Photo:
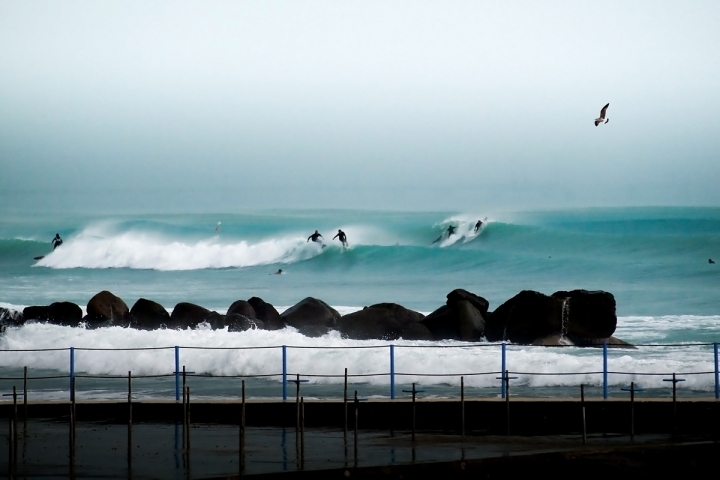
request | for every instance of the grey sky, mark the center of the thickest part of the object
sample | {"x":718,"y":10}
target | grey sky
{"x":490,"y":102}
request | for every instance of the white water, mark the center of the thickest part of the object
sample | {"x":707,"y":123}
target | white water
{"x":316,"y":358}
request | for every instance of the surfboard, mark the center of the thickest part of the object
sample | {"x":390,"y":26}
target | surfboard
{"x":39,"y":258}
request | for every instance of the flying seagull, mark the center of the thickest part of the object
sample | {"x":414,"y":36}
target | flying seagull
{"x":599,"y":120}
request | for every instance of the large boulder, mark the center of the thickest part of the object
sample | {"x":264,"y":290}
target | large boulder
{"x":527,"y":316}
{"x":383,"y":321}
{"x":106,"y":309}
{"x":478,"y":302}
{"x":588,"y":314}
{"x":240,"y":323}
{"x":59,"y":313}
{"x":309,"y":314}
{"x":186,"y":315}
{"x":557,"y":339}
{"x":148,"y":315}
{"x":264,"y":311}
{"x":461,"y":318}
{"x":242,"y":307}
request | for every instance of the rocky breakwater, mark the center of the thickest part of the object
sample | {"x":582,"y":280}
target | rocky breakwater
{"x":578,"y":317}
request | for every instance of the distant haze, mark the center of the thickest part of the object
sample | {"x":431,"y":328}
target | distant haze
{"x":367,"y":104}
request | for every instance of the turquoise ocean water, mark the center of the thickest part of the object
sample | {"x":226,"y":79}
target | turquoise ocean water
{"x":654,"y":260}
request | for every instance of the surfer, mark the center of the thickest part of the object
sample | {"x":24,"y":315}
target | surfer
{"x":710,"y":260}
{"x":279,"y":272}
{"x":450,"y":231}
{"x":478,"y":225}
{"x":315,"y":237}
{"x":57,"y":241}
{"x":342,"y":237}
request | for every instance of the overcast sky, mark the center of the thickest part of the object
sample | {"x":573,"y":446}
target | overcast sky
{"x":489,"y":102}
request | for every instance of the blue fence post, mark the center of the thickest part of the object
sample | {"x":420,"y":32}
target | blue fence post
{"x":177,"y":373}
{"x":72,"y":373}
{"x":605,"y":371}
{"x":284,"y":374}
{"x":717,"y":373}
{"x":392,"y":372}
{"x":503,"y":365}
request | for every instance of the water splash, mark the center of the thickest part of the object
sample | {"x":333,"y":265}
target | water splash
{"x":564,"y":322}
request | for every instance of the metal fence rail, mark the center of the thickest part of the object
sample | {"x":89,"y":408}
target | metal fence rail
{"x":179,"y":372}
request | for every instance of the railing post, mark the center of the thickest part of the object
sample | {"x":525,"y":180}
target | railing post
{"x":503,"y":367}
{"x":284,"y":372}
{"x":717,"y":373}
{"x":392,"y":372}
{"x":72,"y":374}
{"x":177,"y":373}
{"x":605,"y":371}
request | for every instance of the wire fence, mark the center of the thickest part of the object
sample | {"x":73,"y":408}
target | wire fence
{"x":180,"y":373}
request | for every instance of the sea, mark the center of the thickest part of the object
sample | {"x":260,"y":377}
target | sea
{"x":654,"y":260}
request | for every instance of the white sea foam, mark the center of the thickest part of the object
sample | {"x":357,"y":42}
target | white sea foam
{"x":142,"y":250}
{"x":331,"y":354}
{"x":465,"y":228}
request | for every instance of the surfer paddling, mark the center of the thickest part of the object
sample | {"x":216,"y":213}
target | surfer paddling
{"x":342,"y":237}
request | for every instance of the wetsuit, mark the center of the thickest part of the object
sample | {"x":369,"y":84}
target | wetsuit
{"x":342,"y":237}
{"x":314,"y":237}
{"x":57,"y":241}
{"x":478,"y":225}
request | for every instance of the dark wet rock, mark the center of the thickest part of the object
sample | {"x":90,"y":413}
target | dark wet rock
{"x":267,"y":313}
{"x":612,"y":342}
{"x":105,"y":309}
{"x":310,"y":312}
{"x":527,"y":316}
{"x":11,"y":318}
{"x":386,"y":321}
{"x":461,"y":318}
{"x":589,"y":314}
{"x":314,"y":330}
{"x":186,"y":315}
{"x":58,"y":313}
{"x":240,"y":323}
{"x":552,"y":340}
{"x":478,"y":302}
{"x":416,"y":331}
{"x":148,"y":315}
{"x":242,"y":307}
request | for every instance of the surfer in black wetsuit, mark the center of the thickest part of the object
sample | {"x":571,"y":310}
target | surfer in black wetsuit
{"x":342,"y":237}
{"x":57,"y":241}
{"x":315,"y":237}
{"x":478,"y":225}
{"x":450,"y":231}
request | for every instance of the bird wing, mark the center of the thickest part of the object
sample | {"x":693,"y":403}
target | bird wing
{"x":604,"y":109}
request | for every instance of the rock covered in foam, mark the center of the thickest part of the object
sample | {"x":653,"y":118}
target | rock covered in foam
{"x":11,"y":318}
